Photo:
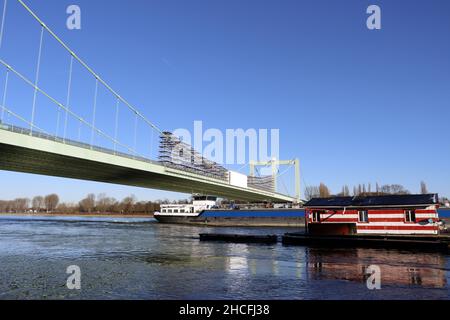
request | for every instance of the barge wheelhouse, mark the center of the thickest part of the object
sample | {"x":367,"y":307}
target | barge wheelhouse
{"x":388,"y":214}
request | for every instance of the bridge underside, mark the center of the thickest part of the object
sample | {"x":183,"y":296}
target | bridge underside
{"x":29,"y":154}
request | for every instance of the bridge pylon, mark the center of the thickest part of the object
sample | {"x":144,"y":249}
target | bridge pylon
{"x":275,"y":163}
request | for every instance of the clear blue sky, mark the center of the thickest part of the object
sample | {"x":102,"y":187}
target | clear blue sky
{"x":355,"y":105}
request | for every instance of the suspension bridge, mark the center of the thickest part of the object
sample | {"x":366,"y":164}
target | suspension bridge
{"x":74,"y":150}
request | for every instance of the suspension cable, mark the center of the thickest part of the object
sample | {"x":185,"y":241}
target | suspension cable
{"x":116,"y":124}
{"x":88,"y":68}
{"x":80,"y":119}
{"x":94,"y":112}
{"x":79,"y":130}
{"x":284,"y":172}
{"x":4,"y":96}
{"x":69,"y":86}
{"x":135,"y":132}
{"x":151,"y":143}
{"x":57,"y":121}
{"x":36,"y":80}
{"x":10,"y":112}
{"x":3,"y":22}
{"x":285,"y":188}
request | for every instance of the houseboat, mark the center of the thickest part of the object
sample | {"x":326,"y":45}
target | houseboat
{"x":205,"y":211}
{"x":412,"y":214}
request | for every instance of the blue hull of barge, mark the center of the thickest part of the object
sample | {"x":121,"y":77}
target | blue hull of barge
{"x":247,"y":218}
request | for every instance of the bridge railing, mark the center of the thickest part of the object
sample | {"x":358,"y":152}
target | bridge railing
{"x":38,"y":134}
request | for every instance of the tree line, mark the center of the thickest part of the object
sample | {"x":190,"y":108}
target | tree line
{"x":39,"y":204}
{"x":90,"y":204}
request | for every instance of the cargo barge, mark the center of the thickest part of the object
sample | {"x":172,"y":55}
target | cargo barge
{"x":204,"y":211}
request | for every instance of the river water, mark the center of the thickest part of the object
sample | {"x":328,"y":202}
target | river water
{"x":131,"y":258}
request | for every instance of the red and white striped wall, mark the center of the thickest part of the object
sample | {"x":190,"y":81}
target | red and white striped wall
{"x":382,"y":221}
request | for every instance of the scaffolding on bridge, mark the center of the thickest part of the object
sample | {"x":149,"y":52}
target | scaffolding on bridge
{"x":177,"y":154}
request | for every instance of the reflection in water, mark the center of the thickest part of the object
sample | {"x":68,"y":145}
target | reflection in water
{"x":275,"y":265}
{"x":350,"y":264}
{"x":141,"y":259}
{"x":397,"y":268}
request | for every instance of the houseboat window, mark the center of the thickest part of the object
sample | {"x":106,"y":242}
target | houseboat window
{"x":175,"y":210}
{"x":169,"y":210}
{"x":181,"y":210}
{"x":163,"y":210}
{"x":363,"y":216}
{"x":410,"y":216}
{"x":316,"y":216}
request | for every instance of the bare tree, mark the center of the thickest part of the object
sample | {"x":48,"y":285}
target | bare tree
{"x":345,"y":191}
{"x":128,"y":203}
{"x":324,"y":191}
{"x":21,"y":204}
{"x":7,"y":206}
{"x":393,"y":189}
{"x":51,"y":202}
{"x":104,"y":203}
{"x":312,"y":192}
{"x":38,"y":203}
{"x":386,"y":189}
{"x":363,"y":190}
{"x":88,"y":203}
{"x":423,"y":188}
{"x":398,"y":189}
{"x":4,"y":206}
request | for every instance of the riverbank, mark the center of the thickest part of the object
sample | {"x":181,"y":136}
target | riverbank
{"x":92,"y":215}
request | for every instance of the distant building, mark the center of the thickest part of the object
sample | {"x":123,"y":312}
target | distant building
{"x":392,"y":214}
